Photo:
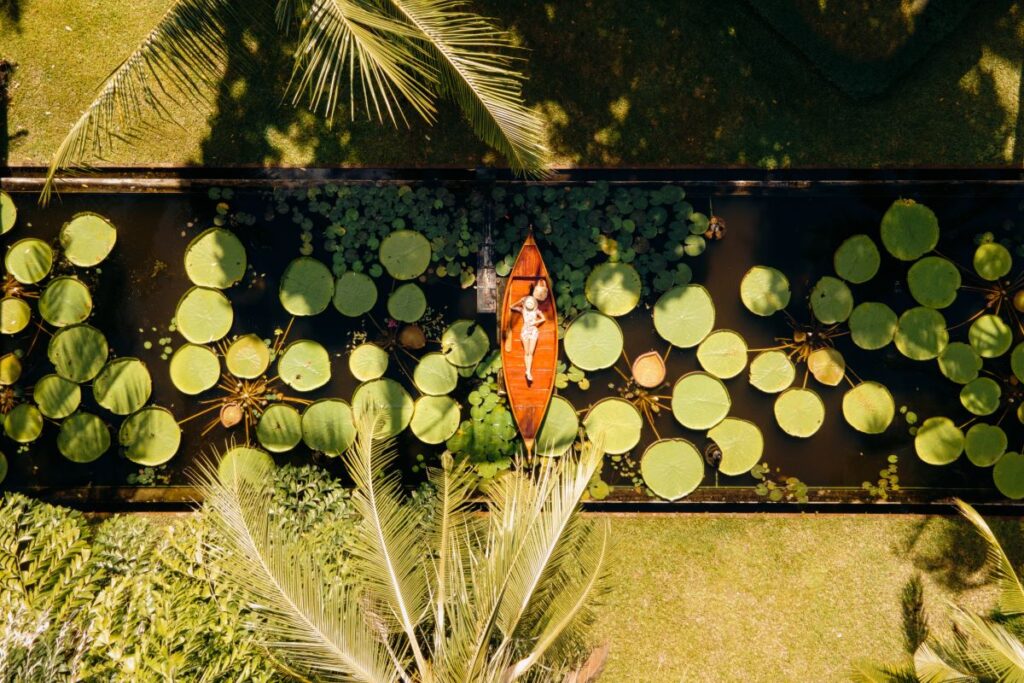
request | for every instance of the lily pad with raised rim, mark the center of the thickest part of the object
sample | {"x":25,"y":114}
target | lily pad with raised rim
{"x":684,"y":315}
{"x":247,"y":357}
{"x":593,"y":341}
{"x":939,"y":441}
{"x":194,"y":369}
{"x":23,"y":423}
{"x":280,"y":428}
{"x":857,"y":259}
{"x":78,"y":352}
{"x":204,"y":315}
{"x":764,"y":290}
{"x":15,"y":315}
{"x":29,"y":260}
{"x":327,"y":426}
{"x":388,"y":400}
{"x":83,"y":438}
{"x":150,"y":437}
{"x":831,"y":300}
{"x":909,"y":230}
{"x":672,"y":468}
{"x":613,"y":288}
{"x":723,"y":353}
{"x":700,"y":400}
{"x":123,"y":386}
{"x":434,"y":419}
{"x":921,"y":333}
{"x":799,"y":412}
{"x":355,"y":294}
{"x":959,"y":362}
{"x":990,"y":336}
{"x":65,"y":301}
{"x":992,"y":261}
{"x":215,"y":258}
{"x":405,"y":254}
{"x":407,"y":303}
{"x":1008,"y":475}
{"x":615,"y":424}
{"x":981,"y":396}
{"x":1017,"y":361}
{"x":8,"y":217}
{"x":869,"y":408}
{"x":87,"y":239}
{"x":368,"y":361}
{"x":985,"y":444}
{"x":245,"y":462}
{"x":827,"y":365}
{"x":56,"y":397}
{"x":934,"y":281}
{"x":307,"y":287}
{"x":741,"y":443}
{"x":465,"y":343}
{"x":560,"y":428}
{"x":435,"y":376}
{"x":772,"y":372}
{"x":304,"y":365}
{"x":648,"y":369}
{"x":872,"y":325}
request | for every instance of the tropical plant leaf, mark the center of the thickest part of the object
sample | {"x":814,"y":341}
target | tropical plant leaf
{"x":1011,"y":591}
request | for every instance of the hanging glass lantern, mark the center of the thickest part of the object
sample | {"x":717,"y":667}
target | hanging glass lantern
{"x":486,"y":277}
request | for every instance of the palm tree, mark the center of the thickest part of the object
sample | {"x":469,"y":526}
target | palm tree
{"x":390,"y":54}
{"x":452,"y":595}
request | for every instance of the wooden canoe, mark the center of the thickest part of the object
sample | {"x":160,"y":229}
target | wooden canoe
{"x":528,"y":400}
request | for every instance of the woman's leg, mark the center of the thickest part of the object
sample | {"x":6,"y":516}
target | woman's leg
{"x":529,"y":345}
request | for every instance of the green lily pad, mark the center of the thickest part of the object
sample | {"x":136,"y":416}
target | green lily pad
{"x":827,"y":366}
{"x":990,"y":336}
{"x":307,"y":287}
{"x":8,"y":217}
{"x":684,"y":315}
{"x":1008,"y":475}
{"x":65,"y":301}
{"x":672,"y":468}
{"x":1017,"y":361}
{"x":434,"y":375}
{"x":83,"y":438}
{"x":593,"y":341}
{"x":959,"y":362}
{"x":355,"y":294}
{"x":150,"y":437}
{"x":123,"y":386}
{"x":280,"y":428}
{"x":78,"y":352}
{"x":741,"y":443}
{"x":29,"y":260}
{"x":615,"y":424}
{"x":327,"y":426}
{"x":799,"y":412}
{"x":304,"y":365}
{"x":15,"y":315}
{"x":700,"y":401}
{"x":764,"y":290}
{"x":613,"y":288}
{"x":872,"y":325}
{"x":857,"y":259}
{"x":204,"y":315}
{"x":992,"y":261}
{"x":921,"y":333}
{"x":368,"y":361}
{"x":772,"y":372}
{"x":869,"y":408}
{"x":909,"y":230}
{"x":405,"y":254}
{"x":434,"y":419}
{"x":939,"y":441}
{"x":407,"y":303}
{"x":24,"y":423}
{"x":464,"y":343}
{"x":388,"y":400}
{"x":87,"y":239}
{"x":934,"y":281}
{"x":981,"y":396}
{"x":560,"y":428}
{"x":10,"y":369}
{"x":215,"y":258}
{"x":831,"y":300}
{"x":56,"y":397}
{"x":723,"y":353}
{"x":985,"y":444}
{"x":194,"y":369}
{"x":245,"y":463}
{"x":247,"y":357}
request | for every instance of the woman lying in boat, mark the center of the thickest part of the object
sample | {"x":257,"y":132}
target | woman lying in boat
{"x":533,"y":318}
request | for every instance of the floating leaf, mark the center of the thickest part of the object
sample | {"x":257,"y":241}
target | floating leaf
{"x":368,"y":361}
{"x":464,"y":343}
{"x":56,"y":397}
{"x":921,"y":333}
{"x":204,"y":315}
{"x":307,"y":287}
{"x":405,"y":254}
{"x":3,"y":458}
{"x":8,"y":217}
{"x":327,"y":426}
{"x":700,"y":401}
{"x":872,"y":325}
{"x":29,"y":260}
{"x":857,"y":259}
{"x":684,"y":315}
{"x":304,"y":365}
{"x":1017,"y":361}
{"x":15,"y":315}
{"x":245,"y":462}
{"x":10,"y":369}
{"x":869,"y":408}
{"x":799,"y":412}
{"x":23,"y":423}
{"x":78,"y":352}
{"x":388,"y":400}
{"x":649,"y":369}
{"x":959,"y":362}
{"x":615,"y":424}
{"x":247,"y":357}
{"x":831,"y":300}
{"x":215,"y":258}
{"x":672,"y":468}
{"x":65,"y":301}
{"x":992,"y":261}
{"x":280,"y":428}
{"x":934,"y":281}
{"x":194,"y":369}
{"x":355,"y":294}
{"x":772,"y":371}
{"x":981,"y":396}
{"x":614,"y":288}
{"x":434,"y":419}
{"x":939,"y":441}
{"x":985,"y":444}
{"x":123,"y":386}
{"x":827,"y":365}
{"x":559,"y":429}
{"x":723,"y":353}
{"x":990,"y":336}
{"x":741,"y":443}
{"x":764,"y":290}
{"x":83,"y":438}
{"x":593,"y":341}
{"x":87,"y":239}
{"x":150,"y":437}
{"x":909,"y":230}
{"x":434,"y":375}
{"x":407,"y":303}
{"x":1008,"y":475}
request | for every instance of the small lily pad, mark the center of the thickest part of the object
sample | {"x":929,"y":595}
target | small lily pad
{"x":560,"y":428}
{"x":934,"y":281}
{"x":15,"y":315}
{"x":355,"y":294}
{"x":204,"y":315}
{"x":150,"y":437}
{"x":799,"y":412}
{"x":985,"y":444}
{"x":772,"y":372}
{"x":764,"y":290}
{"x":909,"y":230}
{"x":939,"y":441}
{"x":1008,"y":475}
{"x":872,"y":325}
{"x":280,"y":428}
{"x":407,"y":303}
{"x":10,"y":369}
{"x":981,"y":396}
{"x":857,"y":259}
{"x":435,"y":376}
{"x":56,"y":397}
{"x":78,"y":352}
{"x":960,"y":363}
{"x":23,"y":423}
{"x":741,"y":443}
{"x":723,"y":353}
{"x":992,"y":261}
{"x":649,"y":369}
{"x":615,"y":424}
{"x":368,"y":361}
{"x":990,"y":336}
{"x":29,"y":260}
{"x":684,"y":315}
{"x":8,"y":217}
{"x":405,"y":254}
{"x":3,"y":458}
{"x":215,"y":258}
{"x":87,"y":239}
{"x":245,"y":462}
{"x":700,"y":400}
{"x":464,"y":343}
{"x":387,"y":399}
{"x":869,"y":408}
{"x":327,"y":426}
{"x":434,"y":419}
{"x":83,"y":437}
{"x":827,"y":365}
{"x":672,"y":468}
{"x":831,"y":300}
{"x":65,"y":301}
{"x":307,"y":287}
{"x":1017,"y":361}
{"x":921,"y":333}
{"x":304,"y":365}
{"x":593,"y":341}
{"x":613,"y":288}
{"x":194,"y":369}
{"x":247,"y":357}
{"x":123,"y":386}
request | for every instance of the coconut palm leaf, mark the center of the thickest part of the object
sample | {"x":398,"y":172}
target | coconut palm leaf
{"x":1011,"y":592}
{"x":990,"y":648}
{"x":939,"y":664}
{"x":870,"y":672}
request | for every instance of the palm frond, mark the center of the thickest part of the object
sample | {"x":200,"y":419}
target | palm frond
{"x":871,"y":672}
{"x":991,"y":649}
{"x":935,"y":665}
{"x":1011,"y":592}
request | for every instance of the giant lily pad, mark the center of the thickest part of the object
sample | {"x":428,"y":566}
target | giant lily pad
{"x":615,"y":424}
{"x":464,"y":343}
{"x":939,"y":441}
{"x":407,"y":303}
{"x":388,"y":401}
{"x":614,"y":288}
{"x":827,"y":365}
{"x":8,"y":217}
{"x":3,"y":458}
{"x":992,"y":261}
{"x":204,"y":315}
{"x":799,"y":412}
{"x":368,"y":361}
{"x":990,"y":336}
{"x":65,"y":301}
{"x":649,"y":369}
{"x":194,"y":369}
{"x":831,"y":300}
{"x":700,"y":401}
{"x":78,"y":352}
{"x":772,"y":371}
{"x":909,"y":230}
{"x":10,"y":369}
{"x":304,"y":365}
{"x":280,"y":428}
{"x":150,"y":437}
{"x":23,"y":423}
{"x":56,"y":397}
{"x":247,"y":357}
{"x":123,"y":386}
{"x":29,"y":260}
{"x":83,"y":437}
{"x":327,"y":426}
{"x":434,"y":375}
{"x":434,"y":419}
{"x":355,"y":294}
{"x":934,"y":281}
{"x":307,"y":287}
{"x":723,"y":353}
{"x":684,"y":315}
{"x":405,"y":254}
{"x":87,"y":239}
{"x":981,"y":396}
{"x":593,"y":341}
{"x":1017,"y":361}
{"x":741,"y":443}
{"x":1008,"y":475}
{"x":985,"y":444}
{"x":857,"y":259}
{"x":869,"y":408}
{"x":672,"y":468}
{"x":921,"y":333}
{"x":215,"y":258}
{"x":245,"y":463}
{"x":559,"y":429}
{"x":959,"y":362}
{"x":15,"y":315}
{"x":764,"y":290}
{"x":872,"y":325}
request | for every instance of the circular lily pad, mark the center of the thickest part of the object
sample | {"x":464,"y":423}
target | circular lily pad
{"x":827,"y":365}
{"x":405,"y":254}
{"x":78,"y":352}
{"x":194,"y":369}
{"x":985,"y":444}
{"x":327,"y":426}
{"x":355,"y":294}
{"x":407,"y":303}
{"x":939,"y":441}
{"x":700,"y":401}
{"x":1008,"y":475}
{"x":304,"y":365}
{"x":434,"y":419}
{"x":280,"y":428}
{"x":772,"y":372}
{"x":464,"y":343}
{"x":872,"y":325}
{"x":123,"y":386}
{"x":368,"y":361}
{"x":204,"y":315}
{"x":435,"y":376}
{"x":981,"y":396}
{"x":741,"y":443}
{"x":921,"y":333}
{"x":649,"y":369}
{"x":247,"y":357}
{"x":593,"y":341}
{"x":56,"y":397}
{"x":934,"y":281}
{"x":764,"y":290}
{"x":150,"y":437}
{"x":388,"y":400}
{"x":65,"y":301}
{"x":799,"y":412}
{"x":24,"y":423}
{"x":560,"y":428}
{"x":959,"y":362}
{"x":245,"y":462}
{"x":613,"y":288}
{"x":83,"y":438}
{"x":857,"y":259}
{"x":684,"y":315}
{"x":672,"y":468}
{"x":869,"y":408}
{"x":992,"y":261}
{"x":615,"y":424}
{"x":15,"y":315}
{"x":909,"y":230}
{"x":8,"y":217}
{"x":1017,"y":361}
{"x":990,"y":336}
{"x":10,"y":369}
{"x":29,"y":260}
{"x":87,"y":239}
{"x":723,"y":353}
{"x":307,"y":287}
{"x":215,"y":258}
{"x":831,"y":300}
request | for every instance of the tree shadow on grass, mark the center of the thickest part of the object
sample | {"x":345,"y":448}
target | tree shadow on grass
{"x":10,"y":13}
